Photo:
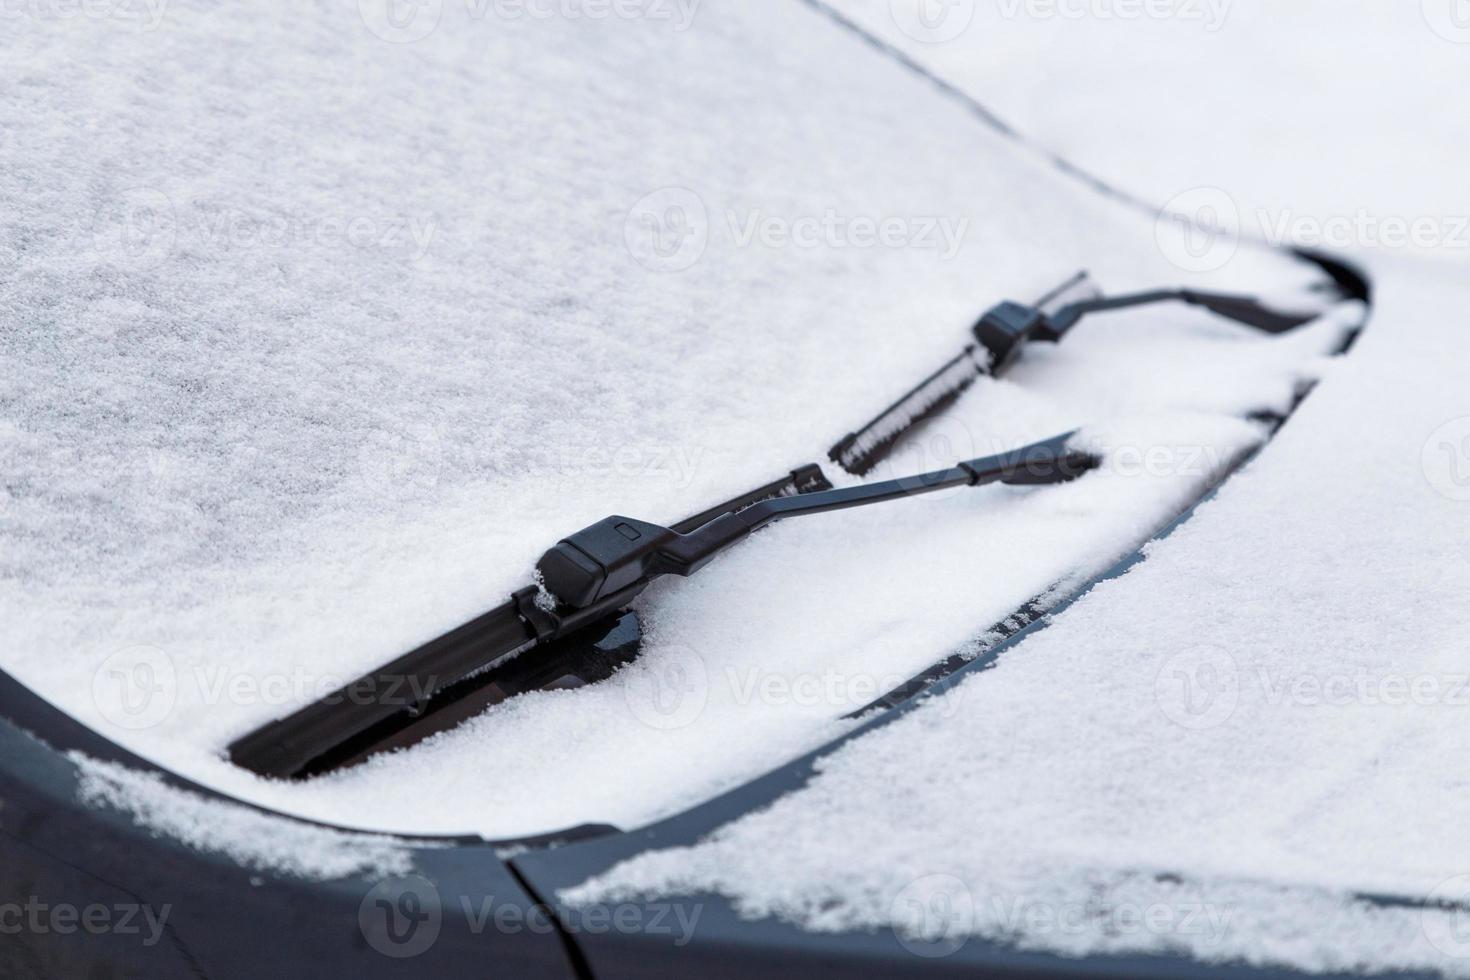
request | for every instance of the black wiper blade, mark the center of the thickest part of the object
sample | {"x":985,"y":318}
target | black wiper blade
{"x":325,"y":734}
{"x":860,"y":451}
{"x":589,"y":578}
{"x":1005,"y":330}
{"x":590,"y":655}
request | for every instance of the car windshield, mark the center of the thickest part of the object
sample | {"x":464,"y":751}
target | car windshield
{"x":325,"y":398}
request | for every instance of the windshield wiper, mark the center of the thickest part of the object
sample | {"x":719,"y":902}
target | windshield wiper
{"x":375,"y":708}
{"x":588,"y":578}
{"x":1005,"y":330}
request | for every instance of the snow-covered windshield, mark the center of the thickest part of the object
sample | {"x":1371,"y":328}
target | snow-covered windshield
{"x":317,"y":328}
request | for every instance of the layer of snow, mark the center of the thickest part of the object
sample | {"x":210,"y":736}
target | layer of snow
{"x":1263,"y":720}
{"x":1328,"y":122}
{"x":1100,"y":911}
{"x":311,"y":341}
{"x":1217,"y":753}
{"x":248,"y":837}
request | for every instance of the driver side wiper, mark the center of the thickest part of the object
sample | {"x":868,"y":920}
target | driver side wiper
{"x":588,"y":577}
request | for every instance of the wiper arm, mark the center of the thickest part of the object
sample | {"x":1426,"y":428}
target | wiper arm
{"x":588,"y":577}
{"x":1243,"y":309}
{"x":619,"y":552}
{"x":1005,"y":330}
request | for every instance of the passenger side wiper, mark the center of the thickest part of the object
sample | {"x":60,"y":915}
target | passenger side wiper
{"x":1003,"y":333}
{"x":587,"y":578}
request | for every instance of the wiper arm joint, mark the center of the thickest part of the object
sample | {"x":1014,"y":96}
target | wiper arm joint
{"x":619,"y":553}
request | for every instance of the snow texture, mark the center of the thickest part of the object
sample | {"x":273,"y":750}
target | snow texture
{"x":1245,"y":749}
{"x":1325,"y":122}
{"x":248,"y":837}
{"x":1263,"y":721}
{"x":311,"y":341}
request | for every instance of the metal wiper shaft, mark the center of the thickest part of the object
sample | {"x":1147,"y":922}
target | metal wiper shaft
{"x":1241,"y":308}
{"x":620,"y":552}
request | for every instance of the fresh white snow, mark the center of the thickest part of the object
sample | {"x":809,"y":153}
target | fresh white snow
{"x":1325,"y":122}
{"x":1223,"y":752}
{"x":313,"y":333}
{"x":311,"y":341}
{"x":1261,"y":721}
{"x":248,"y":837}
